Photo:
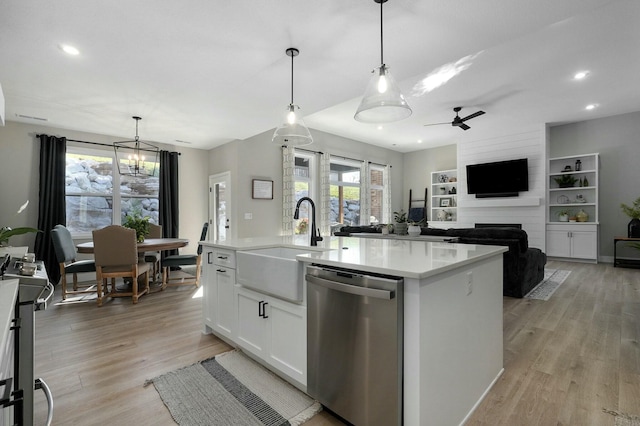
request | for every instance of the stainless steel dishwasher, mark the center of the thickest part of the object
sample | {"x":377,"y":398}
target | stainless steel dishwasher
{"x":354,"y":346}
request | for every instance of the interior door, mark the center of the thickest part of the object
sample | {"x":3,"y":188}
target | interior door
{"x":220,"y":207}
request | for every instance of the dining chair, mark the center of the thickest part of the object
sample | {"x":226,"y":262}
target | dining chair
{"x":153,"y":257}
{"x":183,"y":260}
{"x":66,"y":255}
{"x":116,"y":256}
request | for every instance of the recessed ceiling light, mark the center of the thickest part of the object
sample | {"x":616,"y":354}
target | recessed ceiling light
{"x":591,"y":106}
{"x":580,"y":75}
{"x":419,"y":140}
{"x":380,"y":127}
{"x":70,"y":50}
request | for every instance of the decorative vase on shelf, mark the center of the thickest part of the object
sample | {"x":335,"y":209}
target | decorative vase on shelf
{"x":582,"y":216}
{"x":633,"y":229}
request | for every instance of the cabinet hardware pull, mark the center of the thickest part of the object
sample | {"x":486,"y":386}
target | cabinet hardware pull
{"x":260,"y":308}
{"x":223,"y":257}
{"x":264,"y":310}
{"x":209,"y":261}
{"x":221,"y":270}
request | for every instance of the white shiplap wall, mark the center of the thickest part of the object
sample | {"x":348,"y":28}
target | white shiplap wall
{"x":529,"y":207}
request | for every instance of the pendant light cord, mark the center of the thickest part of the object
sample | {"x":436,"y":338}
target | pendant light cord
{"x":381,"y":36}
{"x":292,"y":55}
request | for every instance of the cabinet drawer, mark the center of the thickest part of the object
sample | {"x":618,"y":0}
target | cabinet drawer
{"x":224,"y":258}
{"x":584,"y":227}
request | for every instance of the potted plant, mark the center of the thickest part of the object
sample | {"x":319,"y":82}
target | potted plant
{"x":400,"y":218}
{"x":563,"y":215}
{"x":7,"y":232}
{"x":633,"y":211}
{"x":134,"y":220}
{"x":565,"y":181}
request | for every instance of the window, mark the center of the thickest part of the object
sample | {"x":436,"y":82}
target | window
{"x":344,"y":180}
{"x":97,"y":196}
{"x":303,"y":175}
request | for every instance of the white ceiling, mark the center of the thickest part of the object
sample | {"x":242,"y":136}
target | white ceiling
{"x":208,"y":72}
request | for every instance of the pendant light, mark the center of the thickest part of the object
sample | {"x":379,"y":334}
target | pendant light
{"x":383,"y":101}
{"x":292,"y":131}
{"x":136,"y":158}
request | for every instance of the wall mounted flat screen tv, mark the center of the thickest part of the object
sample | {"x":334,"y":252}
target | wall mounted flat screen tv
{"x":498,"y":179}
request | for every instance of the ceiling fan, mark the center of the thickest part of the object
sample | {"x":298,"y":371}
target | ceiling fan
{"x":459,"y":122}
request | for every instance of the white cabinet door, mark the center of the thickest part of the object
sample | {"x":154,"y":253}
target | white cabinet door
{"x":584,"y":244}
{"x":224,"y":321}
{"x":274,"y":330}
{"x":208,"y":290}
{"x":558,"y":244}
{"x":252,"y":324}
{"x":287,"y":348}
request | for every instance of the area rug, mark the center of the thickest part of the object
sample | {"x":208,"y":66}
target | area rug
{"x":549,"y":284}
{"x":623,"y":419}
{"x":231,"y":389}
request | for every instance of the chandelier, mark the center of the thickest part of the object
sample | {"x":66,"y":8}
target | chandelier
{"x":135,"y":157}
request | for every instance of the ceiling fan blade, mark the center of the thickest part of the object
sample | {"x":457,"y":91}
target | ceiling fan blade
{"x":464,"y":126}
{"x":436,"y":124}
{"x":474,"y":115}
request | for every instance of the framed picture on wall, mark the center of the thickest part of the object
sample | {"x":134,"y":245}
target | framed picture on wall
{"x":262,"y":189}
{"x":445,"y":202}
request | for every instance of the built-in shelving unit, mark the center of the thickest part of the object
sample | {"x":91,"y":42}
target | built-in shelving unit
{"x":578,"y":238}
{"x":444,"y":196}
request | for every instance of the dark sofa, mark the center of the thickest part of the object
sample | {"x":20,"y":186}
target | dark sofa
{"x":523,"y":266}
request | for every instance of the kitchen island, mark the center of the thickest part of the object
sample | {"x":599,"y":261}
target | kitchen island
{"x":451,"y":348}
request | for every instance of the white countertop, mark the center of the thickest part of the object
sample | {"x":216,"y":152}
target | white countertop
{"x":401,"y":257}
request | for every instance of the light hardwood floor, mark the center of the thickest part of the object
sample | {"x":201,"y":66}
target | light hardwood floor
{"x":565,"y":360}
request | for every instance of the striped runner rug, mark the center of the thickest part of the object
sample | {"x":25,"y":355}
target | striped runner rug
{"x":549,"y":284}
{"x":232,"y":389}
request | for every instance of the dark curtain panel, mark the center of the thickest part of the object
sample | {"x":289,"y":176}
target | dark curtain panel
{"x":51,"y":201}
{"x":169,"y":209}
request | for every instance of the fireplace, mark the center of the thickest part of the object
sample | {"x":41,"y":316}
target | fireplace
{"x":499,"y":225}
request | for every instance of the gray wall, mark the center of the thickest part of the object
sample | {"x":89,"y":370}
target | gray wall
{"x":419,"y":165}
{"x":258,"y":158}
{"x":617,"y":140}
{"x":19,"y":175}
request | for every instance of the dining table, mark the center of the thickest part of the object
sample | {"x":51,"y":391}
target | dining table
{"x":149,"y":244}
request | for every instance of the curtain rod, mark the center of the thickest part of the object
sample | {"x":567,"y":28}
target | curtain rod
{"x":305,"y":150}
{"x":347,"y":158}
{"x":338,"y":156}
{"x":104,"y":144}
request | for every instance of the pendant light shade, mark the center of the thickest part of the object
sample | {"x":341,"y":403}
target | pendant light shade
{"x":383,"y":102}
{"x":135,"y":157}
{"x":292,"y":131}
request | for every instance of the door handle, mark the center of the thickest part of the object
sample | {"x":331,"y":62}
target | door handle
{"x":262,"y":309}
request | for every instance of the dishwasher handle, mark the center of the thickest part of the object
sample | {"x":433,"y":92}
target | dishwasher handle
{"x":352,"y":289}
